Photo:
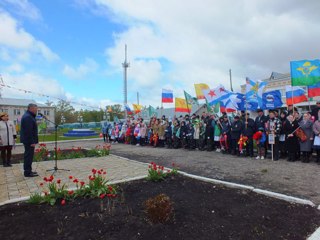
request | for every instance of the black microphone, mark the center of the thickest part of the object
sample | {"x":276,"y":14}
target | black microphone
{"x":41,"y":115}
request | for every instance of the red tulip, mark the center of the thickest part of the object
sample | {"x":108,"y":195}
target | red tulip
{"x":102,"y":195}
{"x":59,"y":181}
{"x":70,"y":177}
{"x":63,"y":202}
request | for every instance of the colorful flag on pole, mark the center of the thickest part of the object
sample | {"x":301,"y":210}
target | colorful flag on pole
{"x":199,"y":87}
{"x":109,"y":110}
{"x":181,"y":105}
{"x":128,"y":109}
{"x":152,"y":112}
{"x":227,"y":105}
{"x":271,"y":100}
{"x":213,"y":96}
{"x":190,"y":100}
{"x":295,"y":95}
{"x":167,"y":96}
{"x":314,"y":90}
{"x":305,"y":72}
{"x":137,"y":108}
{"x":254,"y":90}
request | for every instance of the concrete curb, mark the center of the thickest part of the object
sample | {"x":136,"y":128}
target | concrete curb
{"x":284,"y":197}
{"x":212,"y":180}
{"x":315,"y":235}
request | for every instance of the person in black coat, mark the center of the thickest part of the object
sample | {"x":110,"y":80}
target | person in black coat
{"x":29,"y":138}
{"x":260,"y":120}
{"x":209,"y":135}
{"x":183,"y":134}
{"x":282,"y":143}
{"x":225,"y":130}
{"x":236,"y":129}
{"x":248,"y":131}
{"x":168,"y":135}
{"x":292,"y":142}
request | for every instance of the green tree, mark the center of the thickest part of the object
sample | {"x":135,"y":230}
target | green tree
{"x":116,"y":110}
{"x":65,"y":109}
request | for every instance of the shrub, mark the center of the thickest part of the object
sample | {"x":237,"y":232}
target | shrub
{"x":159,"y":209}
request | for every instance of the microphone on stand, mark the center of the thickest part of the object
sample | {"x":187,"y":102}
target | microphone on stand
{"x":41,"y":115}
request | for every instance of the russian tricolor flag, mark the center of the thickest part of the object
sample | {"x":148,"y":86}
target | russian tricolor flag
{"x":314,"y":90}
{"x":167,"y":96}
{"x":295,"y":95}
{"x":128,"y":109}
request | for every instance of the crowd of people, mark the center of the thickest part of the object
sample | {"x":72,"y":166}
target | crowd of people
{"x":294,"y":135}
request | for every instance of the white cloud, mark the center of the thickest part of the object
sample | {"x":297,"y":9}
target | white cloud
{"x":35,"y":83}
{"x":16,"y":39}
{"x":83,"y":70}
{"x":23,"y":8}
{"x":202,"y":40}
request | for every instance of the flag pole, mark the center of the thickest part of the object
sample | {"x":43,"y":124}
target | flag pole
{"x":308,"y":98}
{"x":292,"y":100}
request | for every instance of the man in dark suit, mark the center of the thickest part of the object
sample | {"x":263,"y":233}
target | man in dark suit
{"x":29,"y":138}
{"x":260,"y":120}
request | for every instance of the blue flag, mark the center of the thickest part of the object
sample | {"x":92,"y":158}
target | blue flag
{"x":271,"y":100}
{"x":254,"y":90}
{"x":305,"y":72}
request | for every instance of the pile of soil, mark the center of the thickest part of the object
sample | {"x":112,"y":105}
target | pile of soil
{"x":202,"y":211}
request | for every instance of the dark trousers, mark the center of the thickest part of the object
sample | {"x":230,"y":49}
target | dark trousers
{"x":6,"y":154}
{"x":276,"y":149}
{"x":249,"y":147}
{"x":234,"y":147}
{"x":28,"y":158}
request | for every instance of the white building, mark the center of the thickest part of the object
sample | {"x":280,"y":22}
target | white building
{"x":17,"y":107}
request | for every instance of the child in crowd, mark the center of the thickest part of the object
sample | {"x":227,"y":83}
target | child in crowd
{"x":260,"y":138}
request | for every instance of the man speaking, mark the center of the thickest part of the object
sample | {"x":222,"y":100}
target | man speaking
{"x":29,"y":138}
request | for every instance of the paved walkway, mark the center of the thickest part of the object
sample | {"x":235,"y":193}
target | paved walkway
{"x":14,"y":185}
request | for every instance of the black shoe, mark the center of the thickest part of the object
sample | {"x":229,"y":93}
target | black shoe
{"x":31,"y":175}
{"x":6,"y":165}
{"x":34,"y":173}
{"x":9,"y":164}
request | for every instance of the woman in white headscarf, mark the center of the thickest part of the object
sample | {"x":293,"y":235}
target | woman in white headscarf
{"x":7,"y":138}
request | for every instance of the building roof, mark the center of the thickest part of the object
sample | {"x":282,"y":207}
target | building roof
{"x":20,"y":102}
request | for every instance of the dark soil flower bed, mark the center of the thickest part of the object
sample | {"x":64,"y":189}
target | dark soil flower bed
{"x":201,"y":211}
{"x":18,"y":158}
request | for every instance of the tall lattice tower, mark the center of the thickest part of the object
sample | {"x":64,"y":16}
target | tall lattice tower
{"x":125,"y":66}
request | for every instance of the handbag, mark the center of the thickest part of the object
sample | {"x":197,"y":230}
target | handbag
{"x":301,"y":135}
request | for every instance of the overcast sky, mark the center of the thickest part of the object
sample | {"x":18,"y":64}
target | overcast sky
{"x":74,"y":49}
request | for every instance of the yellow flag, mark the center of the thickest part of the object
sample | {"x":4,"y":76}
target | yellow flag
{"x":181,"y":105}
{"x":199,"y":87}
{"x":137,"y":108}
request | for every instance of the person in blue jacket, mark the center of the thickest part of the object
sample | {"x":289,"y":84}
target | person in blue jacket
{"x":29,"y":138}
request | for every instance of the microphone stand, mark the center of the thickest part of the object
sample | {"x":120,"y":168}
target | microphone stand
{"x":55,"y":168}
